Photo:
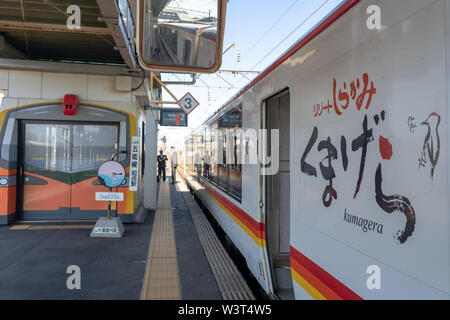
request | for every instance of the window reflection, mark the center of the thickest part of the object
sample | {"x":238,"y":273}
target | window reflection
{"x":216,"y":152}
{"x":180,"y":33}
{"x":93,"y":145}
{"x":69,"y":148}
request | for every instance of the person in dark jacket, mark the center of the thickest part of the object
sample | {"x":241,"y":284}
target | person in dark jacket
{"x":161,"y":165}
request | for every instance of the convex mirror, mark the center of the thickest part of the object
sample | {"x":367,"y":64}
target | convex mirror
{"x":181,"y":35}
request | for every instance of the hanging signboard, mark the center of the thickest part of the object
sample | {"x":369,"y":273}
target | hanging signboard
{"x":134,"y":164}
{"x":173,"y":117}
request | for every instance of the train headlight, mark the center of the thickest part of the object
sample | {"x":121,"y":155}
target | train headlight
{"x":3,"y":182}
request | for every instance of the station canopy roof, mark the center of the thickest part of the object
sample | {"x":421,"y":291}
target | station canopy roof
{"x":37,"y":30}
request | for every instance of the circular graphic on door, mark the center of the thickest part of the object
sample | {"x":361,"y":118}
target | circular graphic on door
{"x":111,"y":174}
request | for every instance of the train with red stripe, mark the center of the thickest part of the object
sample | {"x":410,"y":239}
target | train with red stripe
{"x":329,"y":171}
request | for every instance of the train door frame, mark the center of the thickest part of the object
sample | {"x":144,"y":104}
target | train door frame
{"x":21,"y":155}
{"x":264,"y":185}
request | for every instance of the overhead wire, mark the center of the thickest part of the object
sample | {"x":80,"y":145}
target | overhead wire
{"x":204,"y":5}
{"x":270,"y":29}
{"x":258,"y":41}
{"x":284,"y":39}
{"x":300,"y":25}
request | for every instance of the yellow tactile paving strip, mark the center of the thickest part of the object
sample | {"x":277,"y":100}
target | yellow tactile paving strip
{"x":161,"y":281}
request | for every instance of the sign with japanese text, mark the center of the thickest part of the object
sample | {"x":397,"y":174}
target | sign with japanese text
{"x":106,"y":230}
{"x":134,"y":164}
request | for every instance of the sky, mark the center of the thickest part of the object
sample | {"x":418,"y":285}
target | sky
{"x":262,"y":30}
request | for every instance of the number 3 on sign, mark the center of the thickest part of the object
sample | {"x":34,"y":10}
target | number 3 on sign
{"x":188,"y":103}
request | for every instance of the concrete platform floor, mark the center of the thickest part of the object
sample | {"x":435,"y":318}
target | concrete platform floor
{"x":33,"y":262}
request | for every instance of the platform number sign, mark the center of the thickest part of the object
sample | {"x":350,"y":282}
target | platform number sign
{"x":188,"y":103}
{"x":134,"y":164}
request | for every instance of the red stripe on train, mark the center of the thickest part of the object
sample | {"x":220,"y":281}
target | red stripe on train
{"x":327,"y":279}
{"x":256,"y":227}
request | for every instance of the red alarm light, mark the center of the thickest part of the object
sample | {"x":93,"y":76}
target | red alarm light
{"x":70,"y":105}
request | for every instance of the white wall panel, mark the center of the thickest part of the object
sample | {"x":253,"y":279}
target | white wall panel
{"x":25,"y":84}
{"x":103,"y":88}
{"x":56,"y":85}
{"x":4,"y":79}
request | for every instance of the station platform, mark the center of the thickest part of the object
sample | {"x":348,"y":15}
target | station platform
{"x":173,"y":254}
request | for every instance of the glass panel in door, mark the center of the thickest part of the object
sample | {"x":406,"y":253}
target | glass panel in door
{"x":46,"y":170}
{"x":60,"y":163}
{"x":92,"y":145}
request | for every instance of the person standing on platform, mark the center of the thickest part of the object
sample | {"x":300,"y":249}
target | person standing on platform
{"x":174,"y":164}
{"x":161,"y":165}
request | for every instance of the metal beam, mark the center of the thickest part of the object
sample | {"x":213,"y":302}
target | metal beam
{"x":60,"y":67}
{"x":31,"y":26}
{"x":124,"y":42}
{"x":181,"y":82}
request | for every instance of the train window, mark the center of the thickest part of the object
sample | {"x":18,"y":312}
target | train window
{"x":234,"y":158}
{"x":217,"y":153}
{"x":193,"y":147}
{"x":199,"y":152}
{"x":207,"y":154}
{"x":195,"y":154}
{"x":222,"y":163}
{"x":191,"y":154}
{"x":172,"y":36}
{"x":188,"y":152}
{"x":187,"y":52}
{"x":214,"y":153}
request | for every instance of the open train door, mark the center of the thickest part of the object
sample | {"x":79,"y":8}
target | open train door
{"x":277,"y":195}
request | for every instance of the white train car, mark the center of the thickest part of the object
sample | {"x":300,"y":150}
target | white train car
{"x":358,"y":205}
